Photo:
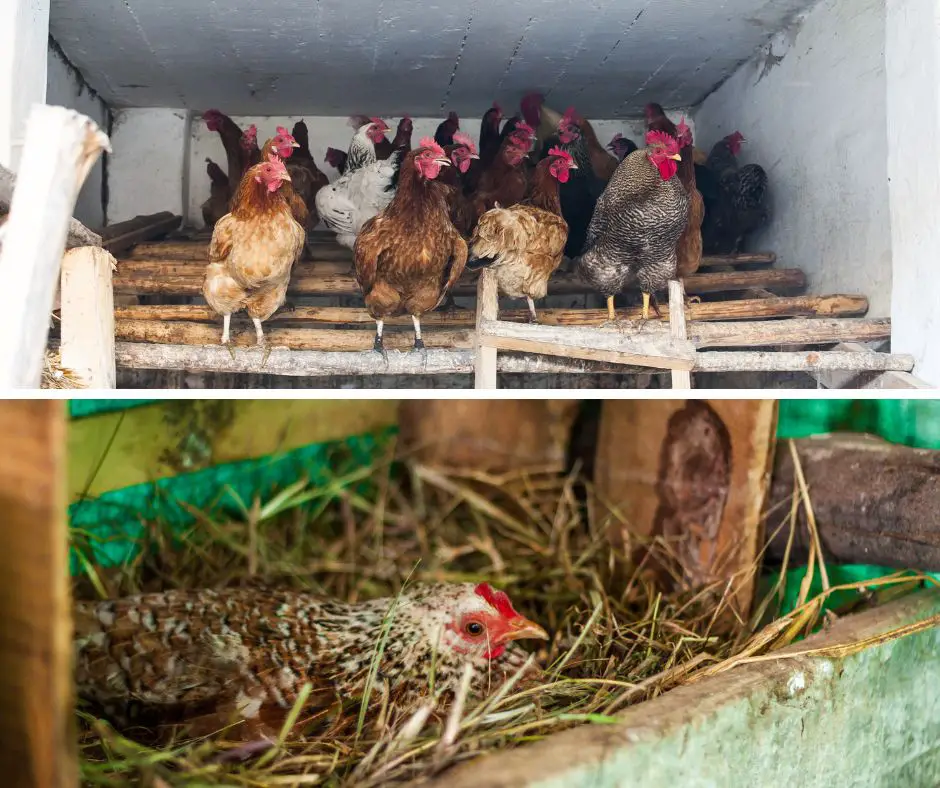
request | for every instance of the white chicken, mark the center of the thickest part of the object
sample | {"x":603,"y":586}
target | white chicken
{"x":364,"y":189}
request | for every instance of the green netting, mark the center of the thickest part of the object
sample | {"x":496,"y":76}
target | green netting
{"x":80,"y":408}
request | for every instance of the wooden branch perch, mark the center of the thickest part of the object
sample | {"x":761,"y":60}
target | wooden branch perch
{"x":61,"y":147}
{"x":875,"y":502}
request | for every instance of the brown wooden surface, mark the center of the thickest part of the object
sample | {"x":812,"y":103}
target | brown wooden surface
{"x":487,"y":435}
{"x":307,"y":280}
{"x":37,"y":739}
{"x":119,"y":237}
{"x":749,"y":309}
{"x":696,"y":471}
{"x":875,"y":502}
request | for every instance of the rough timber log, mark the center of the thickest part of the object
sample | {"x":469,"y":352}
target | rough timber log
{"x":749,"y":309}
{"x":306,"y":280}
{"x":117,"y":238}
{"x":189,"y":251}
{"x":875,"y":502}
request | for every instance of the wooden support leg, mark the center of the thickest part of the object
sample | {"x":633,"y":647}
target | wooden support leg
{"x":484,"y":363}
{"x":681,"y":378}
{"x":88,"y":316}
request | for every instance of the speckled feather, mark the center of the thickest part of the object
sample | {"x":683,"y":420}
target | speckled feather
{"x":636,"y":226}
{"x":244,"y":654}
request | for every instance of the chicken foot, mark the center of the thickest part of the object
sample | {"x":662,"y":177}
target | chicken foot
{"x":419,"y":343}
{"x":377,"y":345}
{"x":262,"y":342}
{"x":226,"y":339}
{"x":533,"y":317}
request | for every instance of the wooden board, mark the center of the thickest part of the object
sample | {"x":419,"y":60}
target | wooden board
{"x":487,"y":435}
{"x":37,"y":736}
{"x":875,"y":502}
{"x":694,"y":471}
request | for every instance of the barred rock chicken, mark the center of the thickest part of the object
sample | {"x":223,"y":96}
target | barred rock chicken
{"x":254,"y":247}
{"x":621,"y":146}
{"x":505,"y":181}
{"x":637,"y":224}
{"x":740,"y":206}
{"x":336,"y":158}
{"x":217,"y":205}
{"x":213,"y":658}
{"x":361,"y":192}
{"x":409,"y":257}
{"x":524,"y":244}
{"x":444,"y":135}
{"x":236,"y":156}
{"x":462,"y":154}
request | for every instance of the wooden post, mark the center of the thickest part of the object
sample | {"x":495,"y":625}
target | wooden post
{"x":37,"y":737}
{"x":681,"y":379}
{"x":88,"y":316}
{"x":61,"y":148}
{"x":484,"y":362}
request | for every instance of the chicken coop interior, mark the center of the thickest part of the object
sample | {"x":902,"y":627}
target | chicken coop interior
{"x":828,"y":290}
{"x":729,"y":592}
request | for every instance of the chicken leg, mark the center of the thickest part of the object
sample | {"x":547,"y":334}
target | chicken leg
{"x":611,"y":312}
{"x":533,"y":317}
{"x":419,"y":343}
{"x":377,"y":346}
{"x":646,"y":306}
{"x":259,"y":332}
{"x":226,"y":324}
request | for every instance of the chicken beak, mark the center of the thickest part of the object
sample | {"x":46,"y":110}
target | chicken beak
{"x":474,"y":155}
{"x":520,"y":628}
{"x":572,"y":166}
{"x":295,"y":144}
{"x":285,"y":176}
{"x":675,"y":157}
{"x":443,"y":162}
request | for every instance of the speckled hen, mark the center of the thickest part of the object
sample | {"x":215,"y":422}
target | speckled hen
{"x":637,"y":224}
{"x":241,"y":656}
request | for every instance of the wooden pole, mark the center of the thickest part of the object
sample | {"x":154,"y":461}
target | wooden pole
{"x":875,"y":502}
{"x":37,"y":736}
{"x":782,"y":361}
{"x":681,"y":379}
{"x":487,"y":310}
{"x":88,"y":316}
{"x":61,"y":147}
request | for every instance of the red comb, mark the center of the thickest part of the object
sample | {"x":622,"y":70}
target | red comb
{"x":464,"y":139}
{"x":282,"y":131}
{"x":496,"y":599}
{"x":659,"y":138}
{"x":560,"y":153}
{"x":431,"y":145}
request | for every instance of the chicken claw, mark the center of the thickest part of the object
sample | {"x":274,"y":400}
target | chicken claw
{"x":377,"y":345}
{"x":419,"y":343}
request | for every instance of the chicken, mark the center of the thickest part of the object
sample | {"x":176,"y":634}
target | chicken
{"x":409,"y":256}
{"x":363,"y":190}
{"x":657,"y":120}
{"x":249,"y":146}
{"x":254,"y":247}
{"x":336,"y":159}
{"x":621,"y":146}
{"x":546,"y":121}
{"x":305,"y":176}
{"x":462,"y":153}
{"x":236,"y":156}
{"x":505,"y":181}
{"x":490,"y":140}
{"x":524,"y":244}
{"x":241,"y":656}
{"x":444,"y":135}
{"x":689,"y":249}
{"x":217,"y":205}
{"x":402,"y":141}
{"x":740,"y":205}
{"x":637,"y":224}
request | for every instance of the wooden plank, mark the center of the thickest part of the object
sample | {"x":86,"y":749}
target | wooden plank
{"x":115,"y":450}
{"x":518,"y":434}
{"x":487,"y":310}
{"x":796,"y":306}
{"x":123,"y":235}
{"x":87,"y":344}
{"x":637,"y":348}
{"x":695,"y":472}
{"x":37,"y":736}
{"x":740,"y":259}
{"x":243,"y":335}
{"x":306,"y":280}
{"x":174,"y":252}
{"x":681,"y":379}
{"x":839,"y":379}
{"x":808,"y":361}
{"x":61,"y":147}
{"x":132,"y":267}
{"x":852,"y":711}
{"x":875,"y":502}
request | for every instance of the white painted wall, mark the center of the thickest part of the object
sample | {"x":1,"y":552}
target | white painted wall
{"x":912,"y":58}
{"x":817,"y":121}
{"x":24,"y":33}
{"x":333,"y":132}
{"x":65,"y":89}
{"x":147,"y":172}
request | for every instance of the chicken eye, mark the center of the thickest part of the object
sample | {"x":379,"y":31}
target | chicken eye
{"x":474,"y":628}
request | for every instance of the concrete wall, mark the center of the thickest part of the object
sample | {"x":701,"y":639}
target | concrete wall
{"x":66,"y":87}
{"x":817,"y":121}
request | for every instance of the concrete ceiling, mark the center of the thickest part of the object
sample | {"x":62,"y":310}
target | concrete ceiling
{"x":389,"y":57}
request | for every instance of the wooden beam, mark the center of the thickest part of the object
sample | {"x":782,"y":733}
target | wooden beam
{"x":875,"y":502}
{"x":187,"y":251}
{"x":87,"y":312}
{"x":841,"y":379}
{"x":796,"y":306}
{"x":37,"y":736}
{"x":306,"y":280}
{"x":119,"y":237}
{"x":61,"y":148}
{"x":484,"y":363}
{"x":809,"y":361}
{"x":635,"y":348}
{"x":681,"y":379}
